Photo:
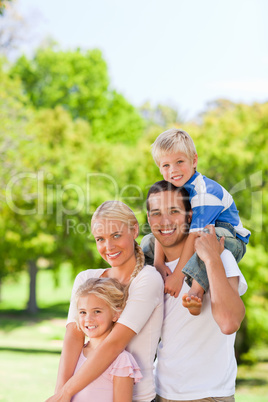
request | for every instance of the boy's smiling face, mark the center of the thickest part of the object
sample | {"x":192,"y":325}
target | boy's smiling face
{"x":177,"y":168}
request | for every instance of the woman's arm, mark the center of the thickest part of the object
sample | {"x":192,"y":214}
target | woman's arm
{"x":122,"y":389}
{"x":227,"y":307}
{"x":72,"y":346}
{"x":97,"y":363}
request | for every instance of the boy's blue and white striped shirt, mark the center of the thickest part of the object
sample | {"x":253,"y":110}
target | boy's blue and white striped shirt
{"x":210,"y":203}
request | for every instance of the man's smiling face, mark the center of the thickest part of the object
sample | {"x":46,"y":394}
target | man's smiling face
{"x":167,"y":218}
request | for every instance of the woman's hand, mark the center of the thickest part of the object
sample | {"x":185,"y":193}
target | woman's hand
{"x":61,"y":396}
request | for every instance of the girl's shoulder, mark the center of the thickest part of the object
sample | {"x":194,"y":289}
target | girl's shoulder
{"x":125,"y":365}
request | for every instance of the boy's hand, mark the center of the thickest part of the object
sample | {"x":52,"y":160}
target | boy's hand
{"x":173,"y":284}
{"x":164,"y":271}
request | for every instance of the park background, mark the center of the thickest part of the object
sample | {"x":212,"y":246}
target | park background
{"x":78,"y":115}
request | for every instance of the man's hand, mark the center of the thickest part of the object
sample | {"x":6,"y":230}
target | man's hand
{"x":207,"y":243}
{"x":173,"y":284}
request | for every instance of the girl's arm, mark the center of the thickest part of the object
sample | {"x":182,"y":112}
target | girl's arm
{"x":99,"y":360}
{"x":173,"y":283}
{"x":122,"y":389}
{"x":72,"y":346}
{"x":227,"y":306}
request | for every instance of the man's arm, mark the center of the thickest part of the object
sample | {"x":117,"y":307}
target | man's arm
{"x":97,"y":363}
{"x":227,"y":307}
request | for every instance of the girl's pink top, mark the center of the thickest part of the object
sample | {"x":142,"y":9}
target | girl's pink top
{"x":101,"y":389}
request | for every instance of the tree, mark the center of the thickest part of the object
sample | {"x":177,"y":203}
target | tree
{"x":51,"y":159}
{"x":79,"y":82}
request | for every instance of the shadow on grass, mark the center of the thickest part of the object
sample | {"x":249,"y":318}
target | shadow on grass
{"x":251,"y":382}
{"x":12,"y":319}
{"x":29,"y":350}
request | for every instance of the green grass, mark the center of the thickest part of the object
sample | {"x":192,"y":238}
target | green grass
{"x":30,"y":346}
{"x":252,"y":381}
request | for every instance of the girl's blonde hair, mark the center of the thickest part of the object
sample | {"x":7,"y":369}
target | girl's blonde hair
{"x":172,"y":141}
{"x":117,"y":210}
{"x":110,"y":290}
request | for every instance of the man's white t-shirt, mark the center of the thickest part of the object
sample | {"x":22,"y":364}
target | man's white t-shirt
{"x":143,"y":314}
{"x":194,"y":358}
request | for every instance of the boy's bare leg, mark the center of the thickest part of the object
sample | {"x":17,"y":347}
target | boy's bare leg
{"x":193,"y":299}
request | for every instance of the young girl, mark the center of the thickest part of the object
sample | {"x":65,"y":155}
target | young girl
{"x":99,"y":305}
{"x":115,"y":229}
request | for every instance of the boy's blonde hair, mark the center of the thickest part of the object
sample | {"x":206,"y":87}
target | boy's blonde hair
{"x":117,"y":210}
{"x":172,"y":141}
{"x":110,"y":290}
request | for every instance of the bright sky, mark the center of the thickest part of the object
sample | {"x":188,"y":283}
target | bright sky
{"x":184,"y":53}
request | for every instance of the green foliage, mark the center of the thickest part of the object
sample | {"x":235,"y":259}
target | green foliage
{"x":79,"y":82}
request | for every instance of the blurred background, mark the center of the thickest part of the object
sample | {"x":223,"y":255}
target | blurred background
{"x":85,"y":88}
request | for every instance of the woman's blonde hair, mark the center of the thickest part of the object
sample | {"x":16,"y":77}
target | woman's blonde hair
{"x":110,"y":290}
{"x":172,"y":141}
{"x":117,"y":210}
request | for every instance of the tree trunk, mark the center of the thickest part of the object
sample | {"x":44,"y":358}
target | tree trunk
{"x":32,"y":307}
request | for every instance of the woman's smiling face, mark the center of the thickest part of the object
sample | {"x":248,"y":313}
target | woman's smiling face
{"x":115,"y":241}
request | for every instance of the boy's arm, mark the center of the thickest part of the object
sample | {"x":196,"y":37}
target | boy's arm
{"x":159,"y":261}
{"x":72,"y":346}
{"x":173,"y":283}
{"x":227,"y":307}
{"x":122,"y":389}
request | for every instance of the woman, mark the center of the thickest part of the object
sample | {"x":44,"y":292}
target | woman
{"x":115,"y":229}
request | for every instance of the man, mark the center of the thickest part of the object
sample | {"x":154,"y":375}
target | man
{"x":195,"y":358}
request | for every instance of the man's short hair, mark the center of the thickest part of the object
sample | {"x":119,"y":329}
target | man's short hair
{"x":163,"y":185}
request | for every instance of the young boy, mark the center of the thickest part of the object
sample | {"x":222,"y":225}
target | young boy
{"x":175,"y":154}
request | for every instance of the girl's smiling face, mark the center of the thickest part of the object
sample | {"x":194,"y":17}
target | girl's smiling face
{"x":95,"y":317}
{"x":177,"y":168}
